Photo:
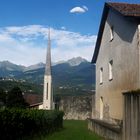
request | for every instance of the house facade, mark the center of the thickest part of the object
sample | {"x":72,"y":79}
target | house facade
{"x":117,"y":59}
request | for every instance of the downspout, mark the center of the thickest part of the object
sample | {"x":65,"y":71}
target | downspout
{"x":138,"y":44}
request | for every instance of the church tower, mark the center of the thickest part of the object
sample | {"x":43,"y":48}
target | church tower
{"x":47,"y":93}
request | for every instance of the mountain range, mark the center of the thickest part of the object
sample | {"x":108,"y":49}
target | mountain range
{"x":76,"y":72}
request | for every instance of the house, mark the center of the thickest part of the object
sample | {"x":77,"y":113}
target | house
{"x":37,"y":106}
{"x":117,"y":58}
{"x":34,"y":100}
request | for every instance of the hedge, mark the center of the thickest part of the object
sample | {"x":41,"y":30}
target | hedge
{"x":16,"y":123}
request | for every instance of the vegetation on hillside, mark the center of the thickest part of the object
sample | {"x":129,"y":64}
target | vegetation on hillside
{"x":64,"y":75}
{"x":32,"y":88}
{"x":26,"y":87}
{"x":71,"y":91}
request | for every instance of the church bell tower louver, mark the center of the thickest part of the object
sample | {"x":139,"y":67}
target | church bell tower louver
{"x":47,"y":93}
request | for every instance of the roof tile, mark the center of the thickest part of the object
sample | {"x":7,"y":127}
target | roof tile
{"x":126,"y":9}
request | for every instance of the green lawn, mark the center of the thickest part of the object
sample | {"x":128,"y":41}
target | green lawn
{"x":73,"y":130}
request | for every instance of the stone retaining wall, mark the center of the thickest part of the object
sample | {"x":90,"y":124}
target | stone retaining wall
{"x":76,"y":107}
{"x":107,"y":130}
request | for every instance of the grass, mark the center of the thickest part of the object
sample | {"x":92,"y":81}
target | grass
{"x":73,"y":130}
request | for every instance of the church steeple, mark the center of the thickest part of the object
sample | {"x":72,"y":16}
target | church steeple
{"x":47,"y":93}
{"x":48,"y":57}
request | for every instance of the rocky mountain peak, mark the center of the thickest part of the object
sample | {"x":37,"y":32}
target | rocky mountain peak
{"x":35,"y":66}
{"x":76,"y":61}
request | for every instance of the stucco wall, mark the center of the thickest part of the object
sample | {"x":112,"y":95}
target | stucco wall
{"x":76,"y":107}
{"x":124,"y":52}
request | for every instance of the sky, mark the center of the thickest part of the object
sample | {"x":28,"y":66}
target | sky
{"x":74,"y":27}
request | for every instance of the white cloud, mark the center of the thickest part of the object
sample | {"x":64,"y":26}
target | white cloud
{"x":25,"y":30}
{"x":85,"y":7}
{"x":63,"y":28}
{"x":79,"y":9}
{"x":26,"y":45}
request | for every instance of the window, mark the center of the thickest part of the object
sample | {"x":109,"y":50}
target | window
{"x":101,"y":107}
{"x":47,"y":92}
{"x":111,"y":33}
{"x":110,"y":70}
{"x":101,"y":75}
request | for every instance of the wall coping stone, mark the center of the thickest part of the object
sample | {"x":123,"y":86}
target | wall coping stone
{"x":131,"y":92}
{"x":114,"y":127}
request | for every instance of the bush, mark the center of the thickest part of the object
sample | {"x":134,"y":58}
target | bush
{"x":16,"y":123}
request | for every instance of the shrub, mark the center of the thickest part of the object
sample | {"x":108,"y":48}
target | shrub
{"x":16,"y":123}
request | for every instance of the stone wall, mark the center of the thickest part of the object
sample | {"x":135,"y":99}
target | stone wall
{"x":76,"y":107}
{"x":105,"y":129}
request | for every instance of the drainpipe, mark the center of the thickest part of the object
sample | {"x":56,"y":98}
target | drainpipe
{"x":138,"y":43}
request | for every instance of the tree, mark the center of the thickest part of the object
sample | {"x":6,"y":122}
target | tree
{"x":15,"y":99}
{"x":2,"y":97}
{"x":57,"y":99}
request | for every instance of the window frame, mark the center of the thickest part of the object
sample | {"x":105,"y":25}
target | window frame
{"x":110,"y":67}
{"x":101,"y":108}
{"x":101,"y":75}
{"x":111,"y":33}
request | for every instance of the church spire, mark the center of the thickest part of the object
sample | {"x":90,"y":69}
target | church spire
{"x":48,"y":57}
{"x":47,"y":93}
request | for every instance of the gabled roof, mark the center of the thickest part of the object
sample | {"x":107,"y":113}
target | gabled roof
{"x":125,"y":9}
{"x":37,"y":104}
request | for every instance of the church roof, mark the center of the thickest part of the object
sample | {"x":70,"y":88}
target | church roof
{"x":125,"y":9}
{"x":48,"y":57}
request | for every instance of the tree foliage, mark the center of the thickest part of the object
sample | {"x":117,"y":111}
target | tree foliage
{"x":15,"y":99}
{"x":2,"y":97}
